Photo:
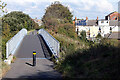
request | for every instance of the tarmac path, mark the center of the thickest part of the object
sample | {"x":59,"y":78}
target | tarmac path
{"x":23,"y":67}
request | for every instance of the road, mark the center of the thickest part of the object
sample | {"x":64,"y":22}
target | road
{"x":22,"y":67}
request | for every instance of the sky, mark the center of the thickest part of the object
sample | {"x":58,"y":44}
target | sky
{"x":79,"y":8}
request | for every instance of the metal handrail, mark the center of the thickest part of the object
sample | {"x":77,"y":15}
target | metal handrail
{"x":51,"y":42}
{"x":14,"y":42}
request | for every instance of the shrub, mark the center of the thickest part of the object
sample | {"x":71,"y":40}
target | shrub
{"x":18,"y":20}
{"x":68,"y":30}
{"x":99,"y":36}
{"x":95,"y":62}
{"x":56,"y":14}
{"x":83,"y":35}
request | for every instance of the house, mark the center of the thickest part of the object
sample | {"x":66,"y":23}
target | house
{"x":112,"y":16}
{"x":38,"y":21}
{"x":105,"y":26}
{"x":86,"y":25}
{"x":103,"y":22}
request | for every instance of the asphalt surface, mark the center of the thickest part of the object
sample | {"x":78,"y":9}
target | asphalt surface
{"x":30,"y":43}
{"x":23,"y":67}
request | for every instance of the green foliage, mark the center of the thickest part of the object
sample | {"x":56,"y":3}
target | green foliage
{"x":6,"y":30}
{"x":25,"y":25}
{"x":99,"y":61}
{"x":3,"y":68}
{"x":99,"y":36}
{"x":68,"y":45}
{"x":42,"y":26}
{"x":5,"y":36}
{"x":56,"y":14}
{"x":67,"y":29}
{"x":18,"y":20}
{"x":2,"y":6}
{"x":83,"y":35}
{"x":12,"y":23}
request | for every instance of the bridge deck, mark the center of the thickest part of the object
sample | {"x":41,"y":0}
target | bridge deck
{"x":32,"y":42}
{"x":23,"y":65}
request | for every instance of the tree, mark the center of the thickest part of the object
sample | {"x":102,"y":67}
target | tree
{"x":11,"y":24}
{"x":5,"y":30}
{"x":18,"y":20}
{"x":2,"y":6}
{"x":25,"y":26}
{"x":56,"y":14}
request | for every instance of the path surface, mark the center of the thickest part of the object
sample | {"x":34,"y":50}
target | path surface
{"x":28,"y":45}
{"x":22,"y":67}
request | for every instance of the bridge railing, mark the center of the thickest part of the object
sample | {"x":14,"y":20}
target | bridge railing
{"x":52,"y":43}
{"x":14,"y":42}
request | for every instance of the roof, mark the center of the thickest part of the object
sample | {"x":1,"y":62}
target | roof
{"x":102,"y":20}
{"x":113,"y":23}
{"x":81,"y":22}
{"x":91,"y":22}
{"x":111,"y":13}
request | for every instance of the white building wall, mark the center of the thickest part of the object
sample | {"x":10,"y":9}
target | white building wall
{"x":104,"y":30}
{"x":103,"y":23}
{"x":94,"y":30}
{"x":82,"y":28}
{"x":115,"y":29}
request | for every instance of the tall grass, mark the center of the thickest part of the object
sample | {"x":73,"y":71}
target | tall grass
{"x":3,"y":68}
{"x":98,"y":61}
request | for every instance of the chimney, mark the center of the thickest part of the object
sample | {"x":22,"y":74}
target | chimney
{"x":73,"y":22}
{"x":86,"y":18}
{"x":97,"y":18}
{"x":75,"y":18}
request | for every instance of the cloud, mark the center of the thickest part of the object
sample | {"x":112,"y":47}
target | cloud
{"x":104,"y":6}
{"x":78,"y":7}
{"x":98,"y":5}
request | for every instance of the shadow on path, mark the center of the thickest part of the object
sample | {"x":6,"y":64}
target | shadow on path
{"x":29,"y":64}
{"x":45,"y":48}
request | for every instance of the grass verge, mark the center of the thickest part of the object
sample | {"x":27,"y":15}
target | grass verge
{"x":3,"y":69}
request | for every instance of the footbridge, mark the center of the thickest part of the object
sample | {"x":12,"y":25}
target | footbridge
{"x":22,"y":46}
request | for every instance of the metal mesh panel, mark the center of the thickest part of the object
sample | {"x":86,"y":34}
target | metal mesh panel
{"x":14,"y":42}
{"x":52,"y":43}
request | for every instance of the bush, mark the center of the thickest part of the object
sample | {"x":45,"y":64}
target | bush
{"x":95,"y":62}
{"x":18,"y":20}
{"x":99,"y":36}
{"x":68,"y":30}
{"x":56,"y":14}
{"x":83,"y":35}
